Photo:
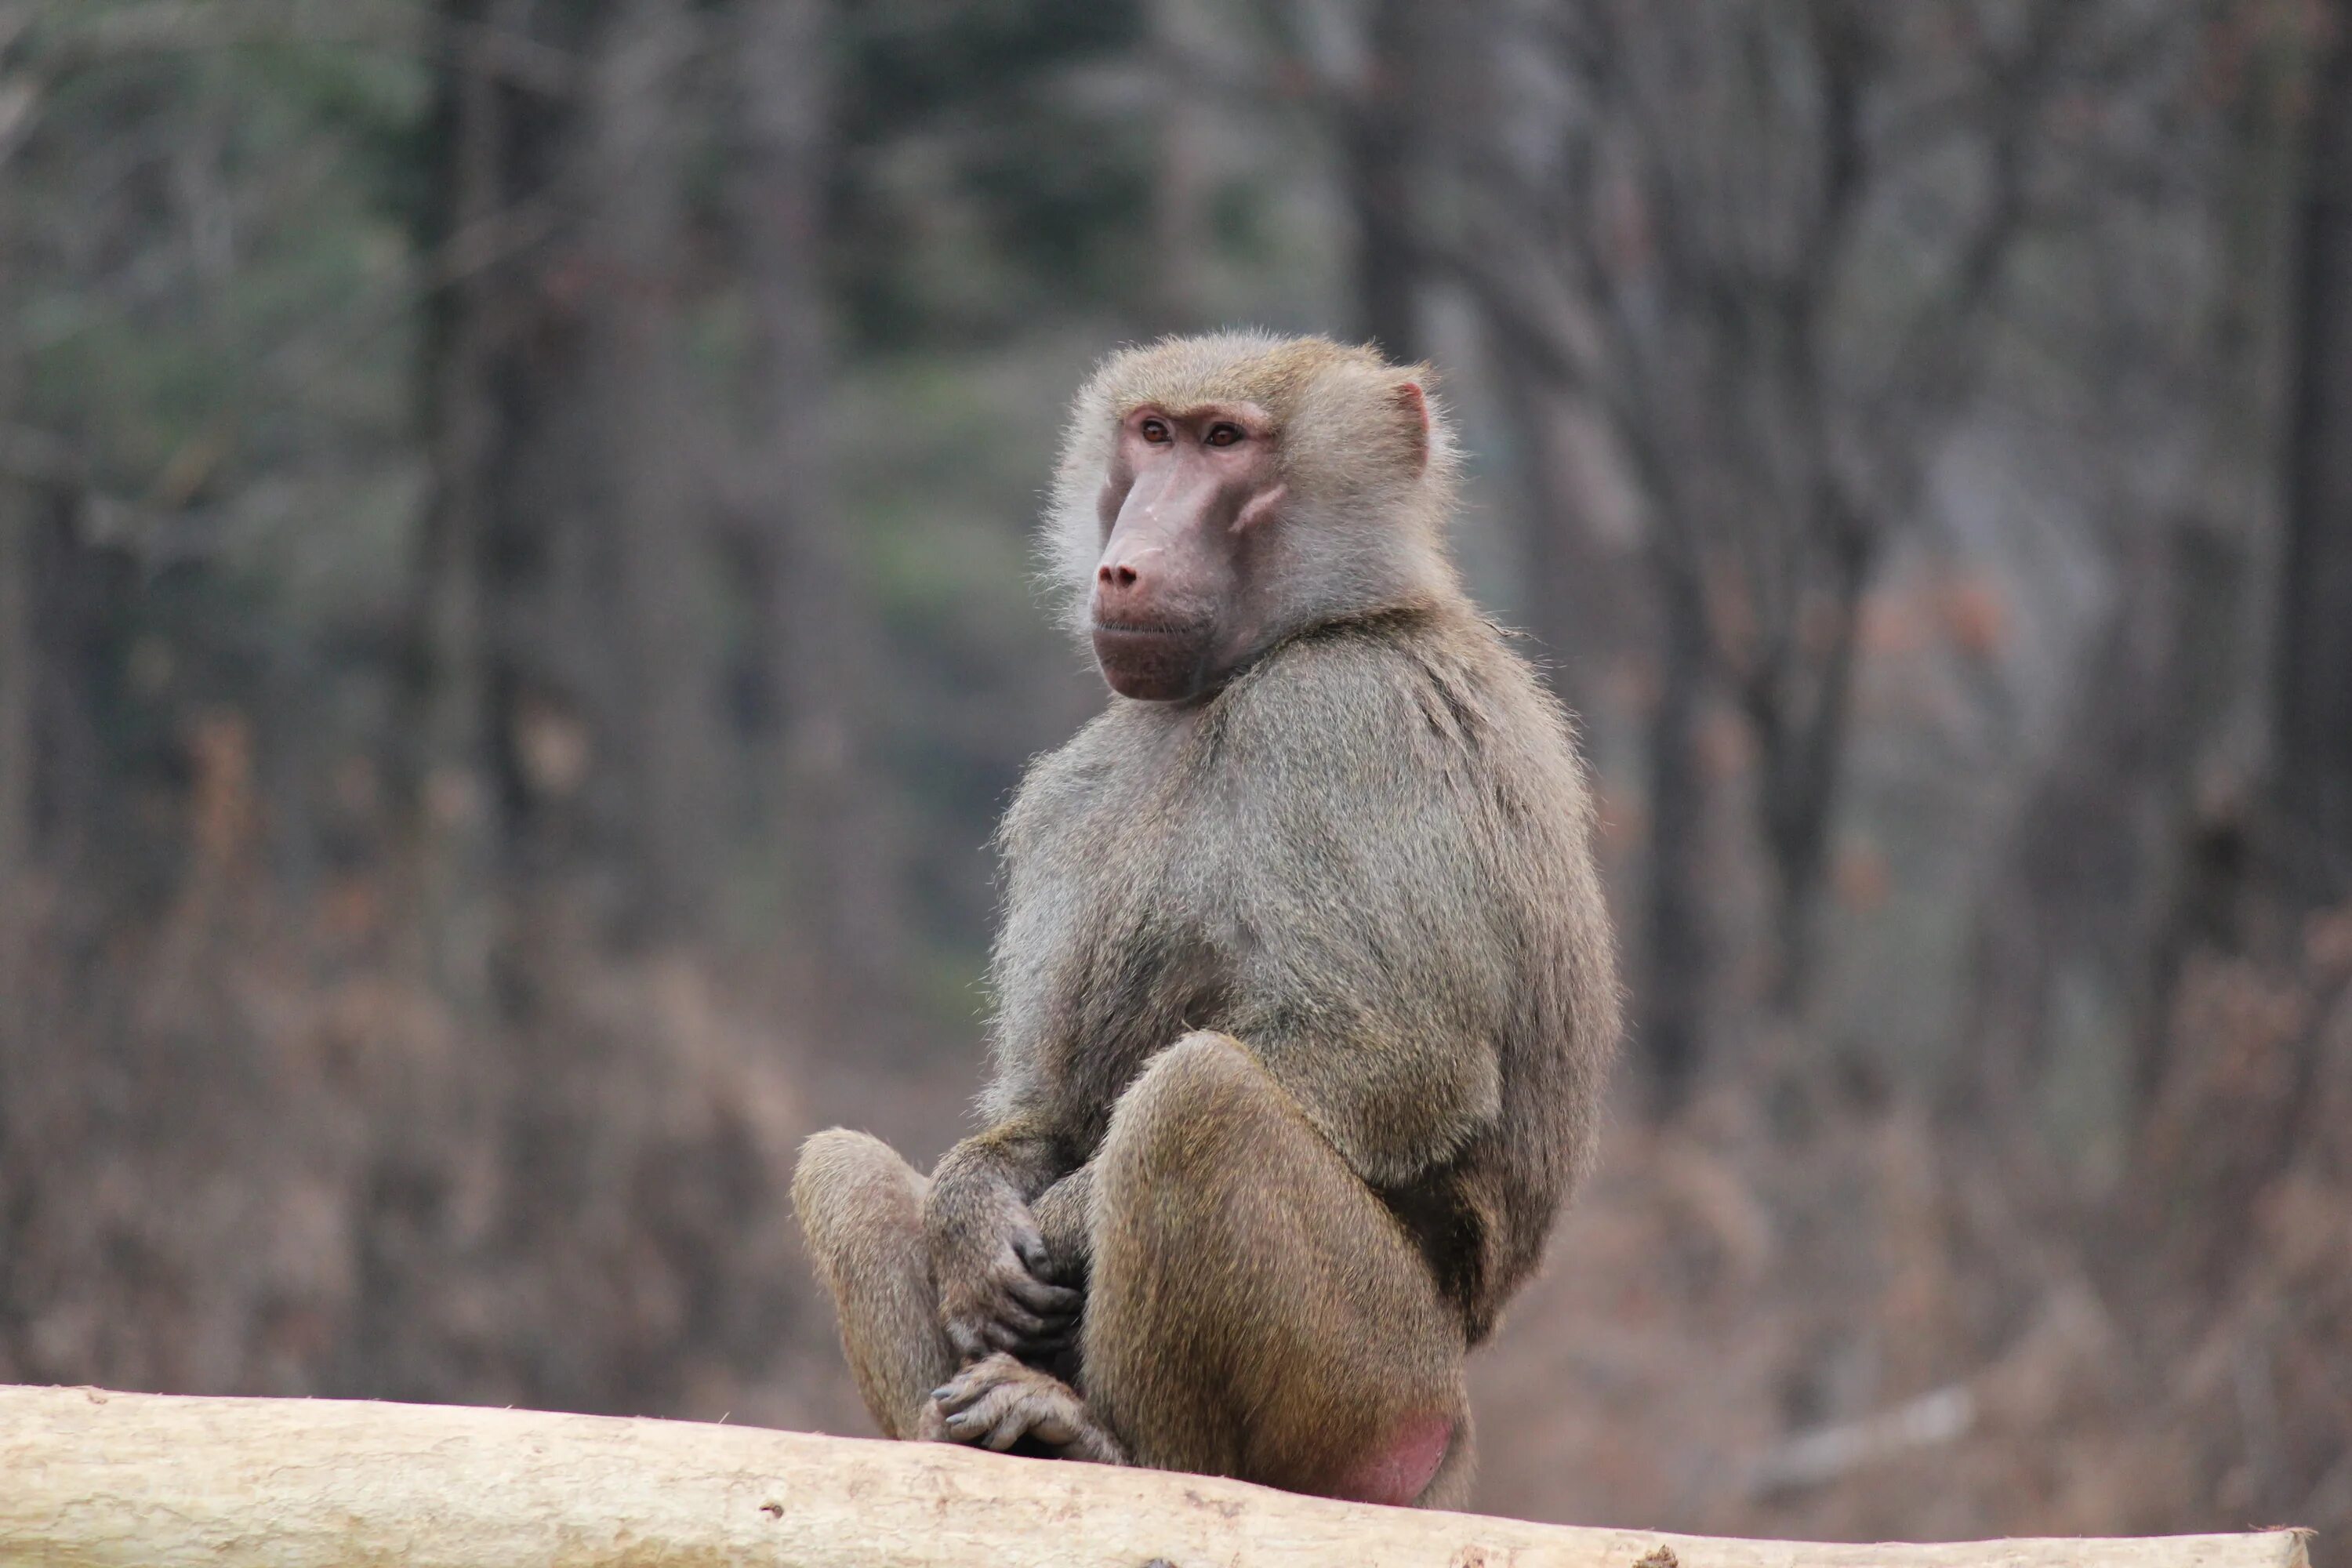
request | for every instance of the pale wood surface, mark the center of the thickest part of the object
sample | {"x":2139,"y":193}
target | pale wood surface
{"x":91,"y":1478}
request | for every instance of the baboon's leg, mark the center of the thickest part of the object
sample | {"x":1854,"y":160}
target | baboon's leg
{"x":861,"y":1208}
{"x":1253,"y":1309}
{"x":1065,"y":1214}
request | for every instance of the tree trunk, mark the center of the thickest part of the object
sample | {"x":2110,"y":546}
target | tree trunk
{"x":17,"y":654}
{"x":2115,"y":868}
{"x":1576,"y":592}
{"x":565,"y":688}
{"x":1674,"y":1008}
{"x":440,"y":753}
{"x":1379,"y":135}
{"x":664,"y":722}
{"x":124,"y":1478}
{"x":819,"y":644}
{"x":1801,"y":735}
{"x":2314,"y":745}
{"x":1180,"y":242}
{"x":19,"y":648}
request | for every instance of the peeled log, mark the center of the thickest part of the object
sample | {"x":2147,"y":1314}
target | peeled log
{"x":90,"y":1478}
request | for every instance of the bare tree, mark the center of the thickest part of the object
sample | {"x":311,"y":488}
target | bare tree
{"x":19,"y":635}
{"x":818,"y":645}
{"x":1185,"y":32}
{"x":18,"y":643}
{"x":2117,"y":862}
{"x":441,"y":754}
{"x":2314,"y":762}
{"x":1766,"y":244}
{"x":564,"y":665}
{"x":663,"y":721}
{"x":1380,"y":75}
{"x":1381,"y":142}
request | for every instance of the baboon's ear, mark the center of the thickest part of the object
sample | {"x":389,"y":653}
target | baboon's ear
{"x":1414,"y":405}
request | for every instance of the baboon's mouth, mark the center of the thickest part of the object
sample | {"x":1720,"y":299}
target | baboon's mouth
{"x":1151,"y":629}
{"x":1158,"y":662}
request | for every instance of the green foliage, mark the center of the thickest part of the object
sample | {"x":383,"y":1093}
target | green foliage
{"x":210,"y":283}
{"x":977,"y":191}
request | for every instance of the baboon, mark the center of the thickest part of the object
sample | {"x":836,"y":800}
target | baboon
{"x":1304,"y":985}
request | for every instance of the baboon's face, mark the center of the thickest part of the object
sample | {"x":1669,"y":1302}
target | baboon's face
{"x":1187,"y":490}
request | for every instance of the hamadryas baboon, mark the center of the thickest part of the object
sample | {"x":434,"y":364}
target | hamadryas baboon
{"x":1304,"y":985}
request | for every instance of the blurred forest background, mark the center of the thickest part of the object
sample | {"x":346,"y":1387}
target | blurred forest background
{"x":515,"y":622}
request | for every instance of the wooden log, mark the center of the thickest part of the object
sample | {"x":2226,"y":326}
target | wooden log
{"x":89,"y":1477}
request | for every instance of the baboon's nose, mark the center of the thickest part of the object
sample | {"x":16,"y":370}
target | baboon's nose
{"x":1120,"y":576}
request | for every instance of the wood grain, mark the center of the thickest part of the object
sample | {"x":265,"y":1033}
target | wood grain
{"x":89,"y":1478}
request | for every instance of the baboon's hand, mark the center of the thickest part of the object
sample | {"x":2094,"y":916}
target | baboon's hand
{"x":997,"y":1285}
{"x":997,"y":1402}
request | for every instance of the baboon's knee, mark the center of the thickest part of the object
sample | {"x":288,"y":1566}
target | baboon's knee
{"x":844,"y":1183}
{"x":861,"y":1208}
{"x":1190,"y":1112}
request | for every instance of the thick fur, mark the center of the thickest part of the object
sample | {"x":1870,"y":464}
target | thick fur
{"x":861,"y":1210}
{"x":1207,"y":1158}
{"x":1356,"y":883}
{"x":1366,"y":859}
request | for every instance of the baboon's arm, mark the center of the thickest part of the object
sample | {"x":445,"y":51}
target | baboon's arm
{"x":994,"y":1272}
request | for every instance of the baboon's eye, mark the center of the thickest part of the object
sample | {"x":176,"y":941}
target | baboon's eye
{"x":1155,"y":431}
{"x":1224,"y":435}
